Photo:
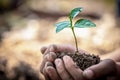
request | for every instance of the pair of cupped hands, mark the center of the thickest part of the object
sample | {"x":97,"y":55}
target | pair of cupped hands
{"x":54,"y":68}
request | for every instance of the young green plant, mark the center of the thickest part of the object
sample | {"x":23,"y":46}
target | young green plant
{"x":80,"y":23}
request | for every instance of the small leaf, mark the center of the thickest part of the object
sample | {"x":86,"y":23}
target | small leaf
{"x":84,"y":23}
{"x":75,"y":12}
{"x":61,"y":25}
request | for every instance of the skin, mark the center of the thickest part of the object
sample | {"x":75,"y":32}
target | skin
{"x":115,"y":55}
{"x":66,"y":69}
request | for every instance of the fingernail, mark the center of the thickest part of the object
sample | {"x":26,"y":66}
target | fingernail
{"x":66,"y":58}
{"x":51,"y":49}
{"x":88,"y":74}
{"x":53,"y":55}
{"x":58,"y":62}
{"x":49,"y":64}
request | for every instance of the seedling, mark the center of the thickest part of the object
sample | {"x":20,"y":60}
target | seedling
{"x":80,"y":23}
{"x":82,"y":60}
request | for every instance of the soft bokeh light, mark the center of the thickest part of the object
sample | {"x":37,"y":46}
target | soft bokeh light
{"x":30,"y":31}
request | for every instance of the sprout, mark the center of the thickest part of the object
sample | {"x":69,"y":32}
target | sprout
{"x":80,"y":23}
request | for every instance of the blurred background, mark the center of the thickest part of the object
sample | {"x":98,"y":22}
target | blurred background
{"x":27,"y":25}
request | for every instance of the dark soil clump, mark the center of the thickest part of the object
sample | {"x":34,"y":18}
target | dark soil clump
{"x":83,"y":60}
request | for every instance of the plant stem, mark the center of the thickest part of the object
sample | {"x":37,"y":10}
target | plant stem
{"x":72,"y":27}
{"x":75,"y":39}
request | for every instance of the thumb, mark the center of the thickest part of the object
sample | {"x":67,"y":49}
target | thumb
{"x":105,"y":68}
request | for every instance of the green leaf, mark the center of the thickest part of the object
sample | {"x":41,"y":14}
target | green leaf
{"x":61,"y":25}
{"x":75,"y":12}
{"x":84,"y":23}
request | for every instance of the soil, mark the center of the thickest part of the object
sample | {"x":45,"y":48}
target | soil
{"x":82,"y":60}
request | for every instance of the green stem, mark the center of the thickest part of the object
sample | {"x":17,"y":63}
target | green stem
{"x":75,"y":39}
{"x":74,"y":35}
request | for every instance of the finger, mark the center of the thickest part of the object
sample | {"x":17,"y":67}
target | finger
{"x":43,"y":63}
{"x":48,"y":57}
{"x":60,"y":48}
{"x":53,"y":75}
{"x":105,"y":68}
{"x":63,"y":48}
{"x":45,"y":72}
{"x":72,"y":68}
{"x":61,"y":70}
{"x":43,"y":49}
{"x":117,"y":76}
{"x":118,"y":70}
{"x":50,"y":48}
{"x":83,"y":51}
{"x":67,"y":48}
